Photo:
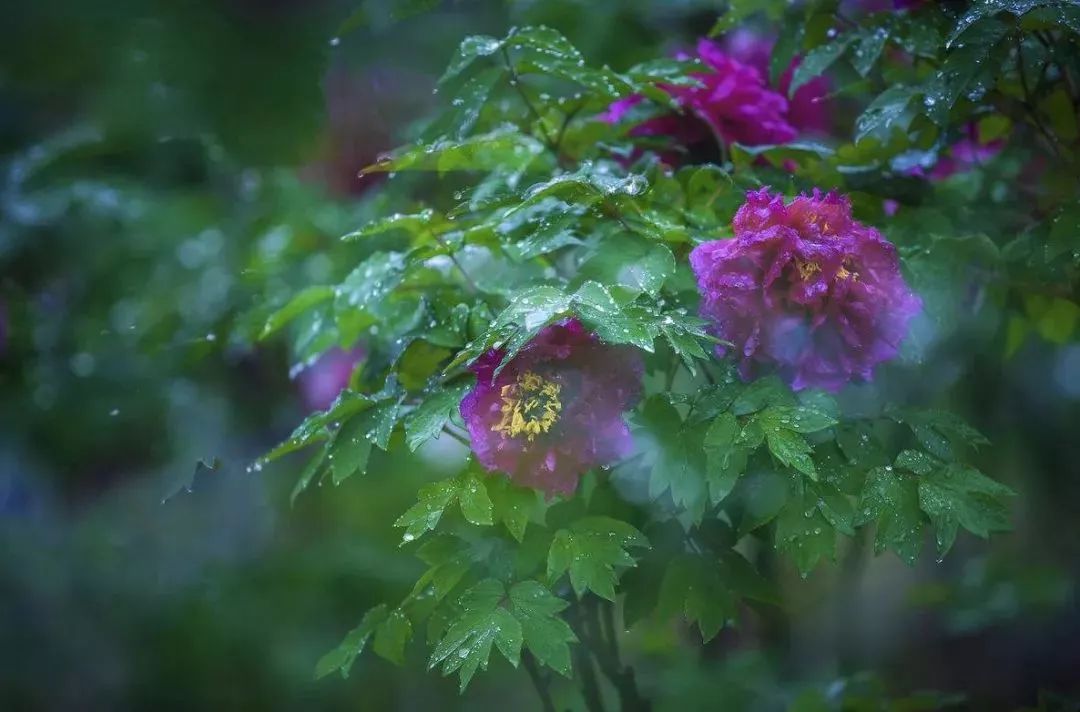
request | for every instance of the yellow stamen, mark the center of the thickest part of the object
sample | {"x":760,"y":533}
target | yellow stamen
{"x":807,"y":269}
{"x":530,"y":406}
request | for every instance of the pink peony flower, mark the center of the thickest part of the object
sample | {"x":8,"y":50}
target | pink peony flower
{"x":733,"y":105}
{"x":322,"y":382}
{"x":556,"y":410}
{"x":806,"y":289}
{"x":807,"y":109}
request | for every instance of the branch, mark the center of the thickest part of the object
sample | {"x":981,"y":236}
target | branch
{"x":539,"y":681}
{"x":583,"y":665}
{"x":607,"y":656}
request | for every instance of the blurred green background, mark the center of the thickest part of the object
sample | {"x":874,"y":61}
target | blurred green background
{"x":167,"y":168}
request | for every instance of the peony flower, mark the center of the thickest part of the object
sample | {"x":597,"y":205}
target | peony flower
{"x":806,"y":289}
{"x":555,"y":410}
{"x":322,"y":382}
{"x":807,"y":111}
{"x":733,"y":105}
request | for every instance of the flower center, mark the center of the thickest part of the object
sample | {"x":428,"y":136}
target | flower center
{"x":807,"y":269}
{"x":530,"y":406}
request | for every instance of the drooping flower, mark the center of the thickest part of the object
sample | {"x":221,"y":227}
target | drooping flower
{"x":555,"y":410}
{"x":733,"y":104}
{"x":808,"y":111}
{"x":322,"y":381}
{"x":805,"y":289}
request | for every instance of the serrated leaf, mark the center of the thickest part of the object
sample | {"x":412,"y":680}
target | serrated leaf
{"x":411,"y":223}
{"x":474,"y":501}
{"x":635,"y":263}
{"x":546,"y":635}
{"x":725,"y":462}
{"x":613,"y":323}
{"x":968,"y":68}
{"x":512,"y":505}
{"x":788,"y":446}
{"x":673,"y":454}
{"x":466,"y":489}
{"x":693,"y":588}
{"x":590,"y":550}
{"x":817,"y":61}
{"x":803,"y":532}
{"x":888,"y":109}
{"x":427,"y":421}
{"x":466,"y":646}
{"x":760,"y":394}
{"x":955,"y":496}
{"x":315,"y":426}
{"x":892,"y":500}
{"x":391,"y":636}
{"x":502,"y":149}
{"x":303,"y":301}
{"x":341,"y":658}
{"x":308,"y":474}
{"x":920,"y":463}
{"x":868,"y":49}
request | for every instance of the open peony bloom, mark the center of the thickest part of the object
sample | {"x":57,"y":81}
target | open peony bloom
{"x":556,"y":410}
{"x":806,"y":289}
{"x":734,"y":104}
{"x":808,"y":111}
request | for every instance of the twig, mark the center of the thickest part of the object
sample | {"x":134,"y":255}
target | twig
{"x":539,"y":681}
{"x":454,"y":259}
{"x":515,"y":81}
{"x":583,"y":664}
{"x":456,"y":436}
{"x":607,"y":657}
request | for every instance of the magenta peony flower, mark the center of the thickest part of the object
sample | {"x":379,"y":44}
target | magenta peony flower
{"x":734,"y":105}
{"x":805,"y":288}
{"x":808,"y":111}
{"x":322,"y":382}
{"x":556,"y":410}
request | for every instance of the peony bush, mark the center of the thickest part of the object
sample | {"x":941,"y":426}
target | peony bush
{"x":671,"y":321}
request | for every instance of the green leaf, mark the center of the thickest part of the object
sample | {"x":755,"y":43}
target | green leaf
{"x":471,"y":49}
{"x":546,"y":635}
{"x":300,"y":303}
{"x":308,"y":474}
{"x":725,"y":461}
{"x":760,"y":394}
{"x":916,"y":461}
{"x":804,"y":533}
{"x":892,"y":500}
{"x":868,"y":49}
{"x":412,"y":223}
{"x":502,"y":149}
{"x":632,"y":262}
{"x":474,"y":501}
{"x":424,"y":516}
{"x":342,"y":657}
{"x":427,"y":421}
{"x":693,"y":588}
{"x":956,"y":496}
{"x":466,"y":646}
{"x":351,"y":447}
{"x":672,"y":453}
{"x":391,"y":636}
{"x":799,"y":418}
{"x":817,"y":61}
{"x":761,"y":495}
{"x":888,"y":109}
{"x":613,"y":323}
{"x":787,"y":445}
{"x":589,"y":550}
{"x":512,"y":505}
{"x":968,"y":68}
{"x":315,"y":426}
